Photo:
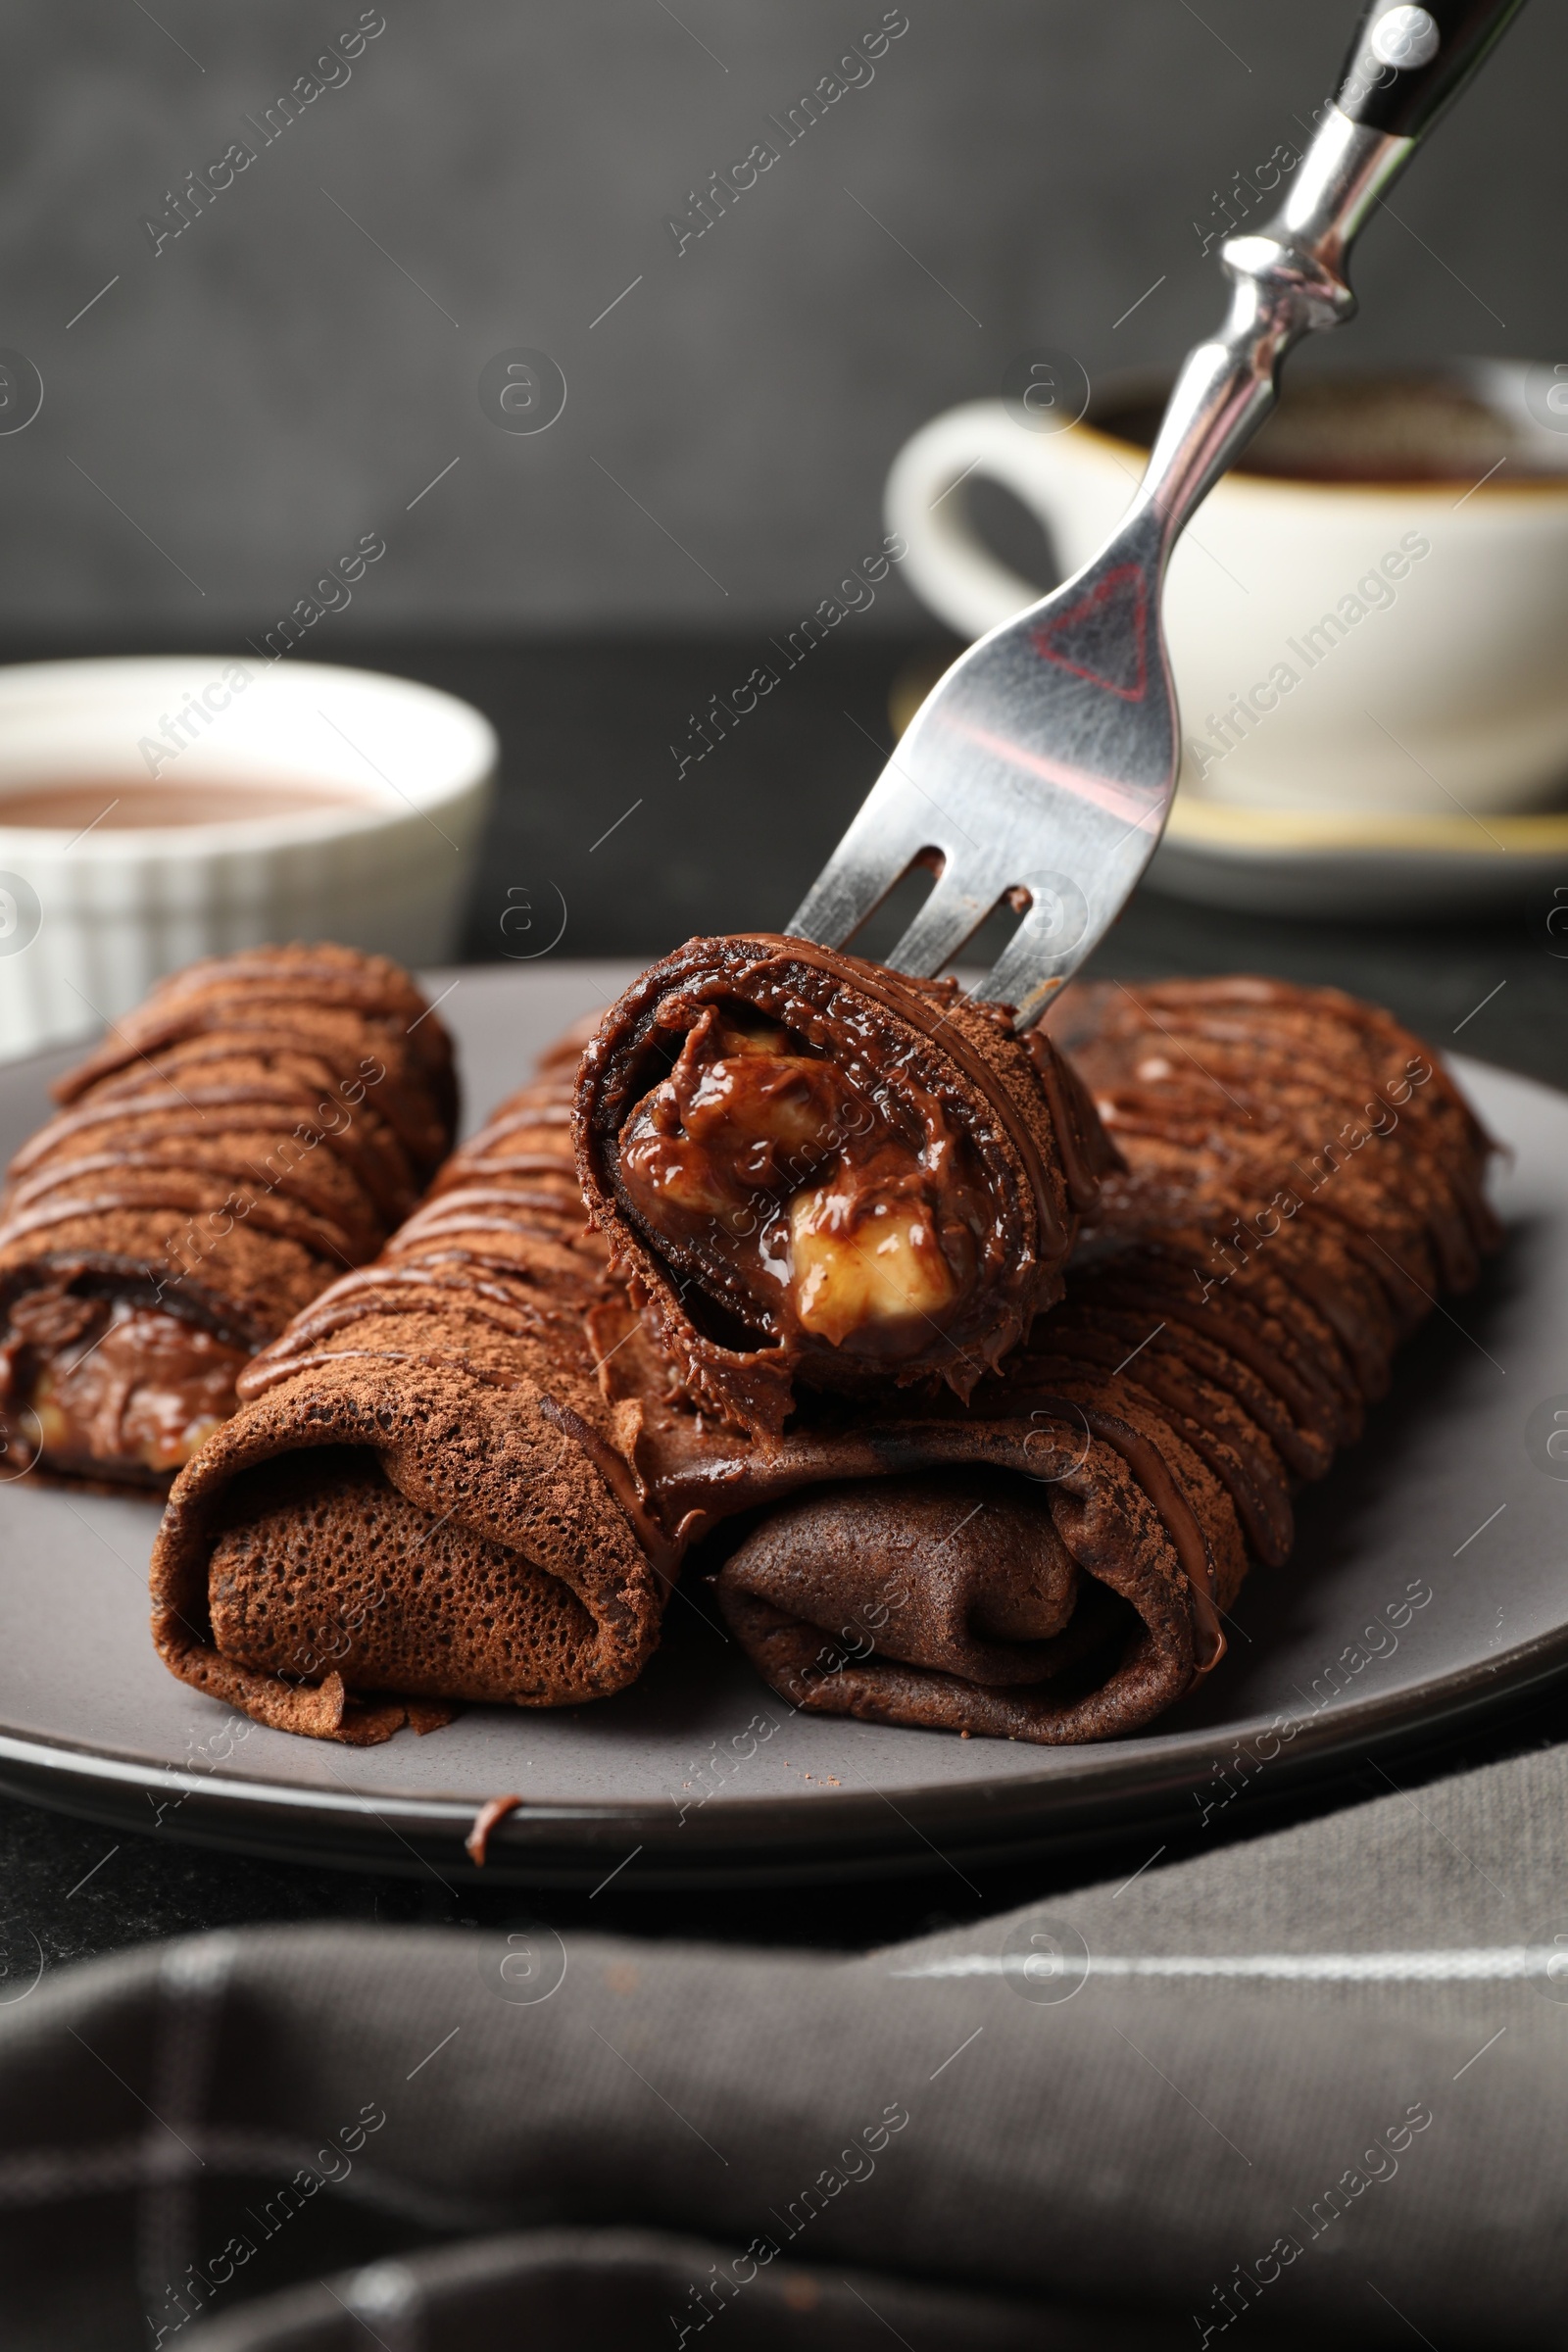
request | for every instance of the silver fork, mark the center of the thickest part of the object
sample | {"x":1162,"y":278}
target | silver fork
{"x":1041,"y":768}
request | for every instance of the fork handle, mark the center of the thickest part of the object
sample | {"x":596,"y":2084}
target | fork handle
{"x":1405,"y":65}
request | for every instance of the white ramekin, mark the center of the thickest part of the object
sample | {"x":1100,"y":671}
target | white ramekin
{"x":89,"y":920}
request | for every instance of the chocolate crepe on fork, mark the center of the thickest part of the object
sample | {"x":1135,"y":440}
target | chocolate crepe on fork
{"x":261,"y":1122}
{"x":814,"y":1172}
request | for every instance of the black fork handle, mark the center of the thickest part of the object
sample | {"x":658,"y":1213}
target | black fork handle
{"x":1406,"y":64}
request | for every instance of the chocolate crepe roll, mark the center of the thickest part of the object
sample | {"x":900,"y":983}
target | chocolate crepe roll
{"x":261,"y":1123}
{"x":1031,"y":1565}
{"x":1283,"y":1100}
{"x":814,"y":1170}
{"x":419,"y":1501}
{"x":1300,"y":1177}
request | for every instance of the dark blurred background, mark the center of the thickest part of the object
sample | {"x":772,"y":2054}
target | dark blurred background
{"x":301,"y":364}
{"x":304,"y":358}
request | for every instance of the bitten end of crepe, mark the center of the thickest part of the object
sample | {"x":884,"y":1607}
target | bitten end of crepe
{"x":812,"y":1171}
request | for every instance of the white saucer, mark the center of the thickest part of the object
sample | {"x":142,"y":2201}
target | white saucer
{"x":1342,"y":862}
{"x":1331,"y":861}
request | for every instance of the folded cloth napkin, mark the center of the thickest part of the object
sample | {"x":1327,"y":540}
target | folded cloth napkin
{"x":259,"y":1123}
{"x":1305,"y":2090}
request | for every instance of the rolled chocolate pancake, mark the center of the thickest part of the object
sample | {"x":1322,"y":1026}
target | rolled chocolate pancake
{"x":259,"y":1123}
{"x":1300,"y":1177}
{"x":420,"y":1500}
{"x":814,"y":1171}
{"x":470,"y":1472}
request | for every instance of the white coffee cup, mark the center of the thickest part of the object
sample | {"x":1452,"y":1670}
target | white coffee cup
{"x":91,"y":916}
{"x":1335,"y":644}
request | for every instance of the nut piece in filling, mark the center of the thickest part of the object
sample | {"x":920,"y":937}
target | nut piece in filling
{"x":110,"y":1385}
{"x":818,"y":1216}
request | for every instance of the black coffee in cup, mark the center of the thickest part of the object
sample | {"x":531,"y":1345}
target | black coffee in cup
{"x":1366,"y":428}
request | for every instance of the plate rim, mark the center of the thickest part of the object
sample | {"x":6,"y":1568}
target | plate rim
{"x":781,"y":1831}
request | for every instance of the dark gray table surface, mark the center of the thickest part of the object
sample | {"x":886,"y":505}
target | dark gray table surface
{"x":587,"y":730}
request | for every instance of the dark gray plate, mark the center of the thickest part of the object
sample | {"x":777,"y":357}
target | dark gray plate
{"x":1429,"y":1583}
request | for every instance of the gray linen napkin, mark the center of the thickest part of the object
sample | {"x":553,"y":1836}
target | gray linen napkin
{"x":1314,"y":2083}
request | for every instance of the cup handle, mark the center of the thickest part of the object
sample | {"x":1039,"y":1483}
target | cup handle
{"x":947,"y":566}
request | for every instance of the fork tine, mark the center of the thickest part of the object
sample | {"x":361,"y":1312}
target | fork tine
{"x":1024,"y":771}
{"x":1035,"y":962}
{"x":882,"y":843}
{"x":951,"y":915}
{"x":849,"y":888}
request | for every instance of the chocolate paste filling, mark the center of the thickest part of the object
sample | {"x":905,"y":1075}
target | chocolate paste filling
{"x":259,"y":1123}
{"x":810,"y":1169}
{"x":110,"y":1387}
{"x":828,"y":1221}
